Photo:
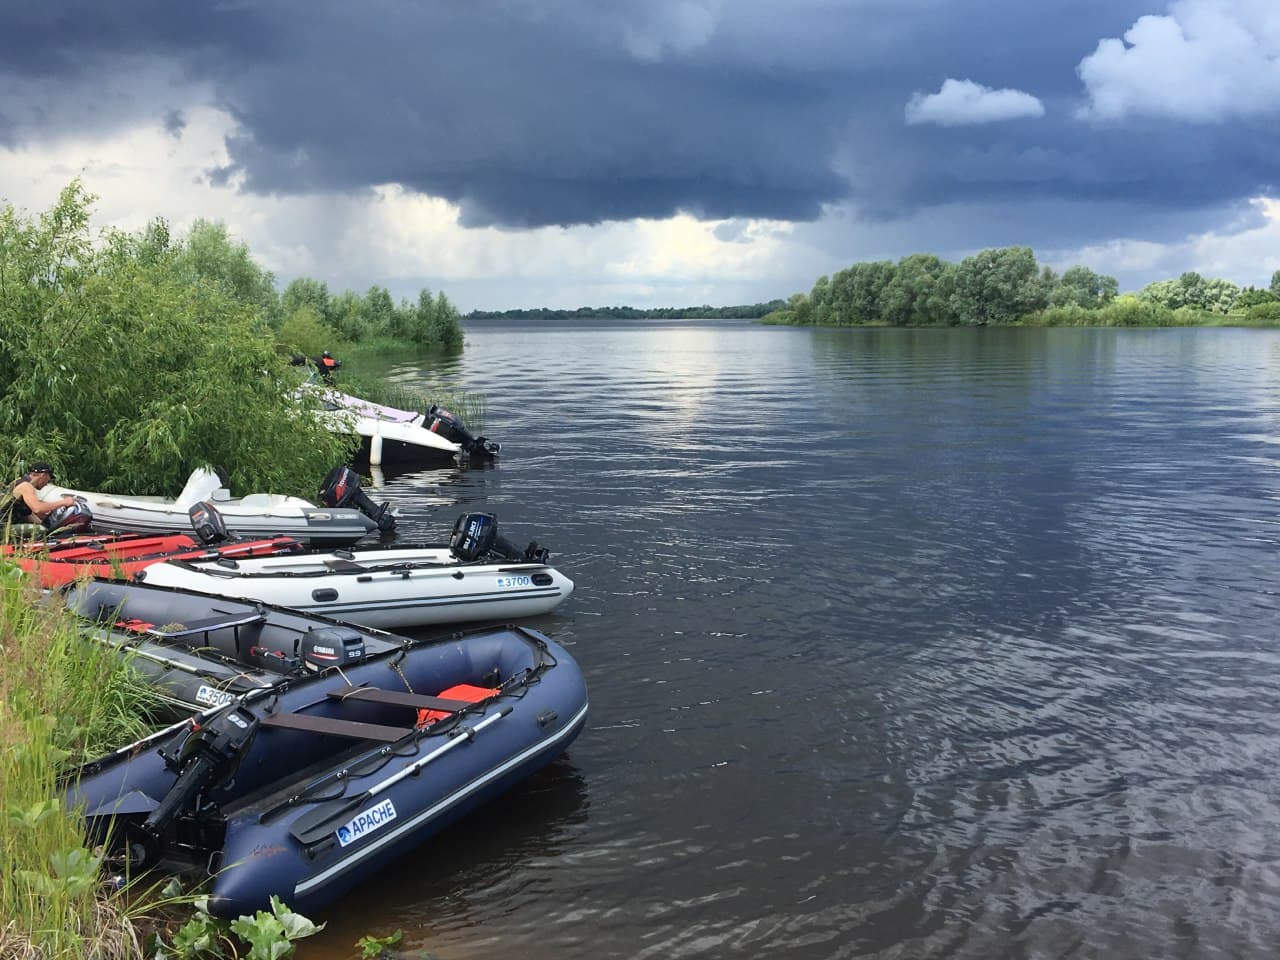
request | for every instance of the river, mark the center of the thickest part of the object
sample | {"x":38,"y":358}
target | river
{"x":900,"y":644}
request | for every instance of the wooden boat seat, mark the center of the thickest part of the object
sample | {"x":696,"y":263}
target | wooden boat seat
{"x":398,"y":699}
{"x":207,"y":625}
{"x":336,"y":728}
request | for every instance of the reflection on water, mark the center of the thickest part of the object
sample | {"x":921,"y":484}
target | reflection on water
{"x":937,"y":643}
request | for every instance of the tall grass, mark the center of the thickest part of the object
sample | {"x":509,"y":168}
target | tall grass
{"x":354,"y":378}
{"x":61,"y":701}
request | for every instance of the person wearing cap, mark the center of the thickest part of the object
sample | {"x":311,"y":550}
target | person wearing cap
{"x":24,"y":503}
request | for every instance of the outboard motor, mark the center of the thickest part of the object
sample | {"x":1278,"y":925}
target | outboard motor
{"x":475,"y":535}
{"x":441,"y":421}
{"x":205,"y":757}
{"x":208,"y":523}
{"x":324,"y":647}
{"x":342,"y":488}
{"x":69,"y":520}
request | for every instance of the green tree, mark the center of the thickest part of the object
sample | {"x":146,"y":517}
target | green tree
{"x":212,"y":256}
{"x":997,"y":286}
{"x":303,"y":333}
{"x":377,"y":313}
{"x":1081,"y":287}
{"x":129,"y":369}
{"x":305,"y":292}
{"x":919,"y":292}
{"x":445,"y":328}
{"x":1275,"y":284}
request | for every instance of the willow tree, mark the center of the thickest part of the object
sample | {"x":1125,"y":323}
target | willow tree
{"x":127,"y":372}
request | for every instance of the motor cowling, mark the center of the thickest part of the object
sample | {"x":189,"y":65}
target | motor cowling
{"x":206,"y":756}
{"x":325,"y":647}
{"x":441,"y":421}
{"x":208,"y":523}
{"x":342,"y":489}
{"x":475,"y":535}
{"x":68,"y":520}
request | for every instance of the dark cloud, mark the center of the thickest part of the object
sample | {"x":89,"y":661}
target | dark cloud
{"x":530,"y":114}
{"x":174,"y":123}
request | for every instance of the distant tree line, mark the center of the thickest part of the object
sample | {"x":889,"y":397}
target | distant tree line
{"x":749,"y":312}
{"x":1007,"y":286}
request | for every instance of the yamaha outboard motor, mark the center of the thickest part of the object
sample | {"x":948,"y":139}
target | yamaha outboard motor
{"x":475,"y":535}
{"x":208,"y":524}
{"x":207,"y":755}
{"x":69,"y":520}
{"x":324,"y":647}
{"x":441,"y":421}
{"x":342,"y":489}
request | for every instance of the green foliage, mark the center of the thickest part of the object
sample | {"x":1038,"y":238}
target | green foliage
{"x":1192,"y":290}
{"x":271,"y":936}
{"x":128,"y":373}
{"x":1252,"y":297}
{"x":1081,"y":287}
{"x":61,"y":701}
{"x":314,"y":321}
{"x":1269,"y":312}
{"x":304,"y":332}
{"x":372,"y":947}
{"x":305,"y":292}
{"x":211,"y":256}
{"x":919,"y":292}
{"x":1134,"y":312}
{"x":997,"y":286}
{"x":1275,"y":284}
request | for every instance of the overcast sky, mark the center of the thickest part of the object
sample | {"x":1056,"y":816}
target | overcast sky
{"x":565,"y":153}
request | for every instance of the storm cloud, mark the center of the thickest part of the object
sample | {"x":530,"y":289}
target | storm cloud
{"x":1116,"y":119}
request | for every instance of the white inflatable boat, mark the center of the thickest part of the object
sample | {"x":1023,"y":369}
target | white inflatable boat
{"x":390,"y":588}
{"x":252,"y":517}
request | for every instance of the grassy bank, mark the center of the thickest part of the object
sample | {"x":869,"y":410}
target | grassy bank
{"x":358,"y":378}
{"x":61,"y":701}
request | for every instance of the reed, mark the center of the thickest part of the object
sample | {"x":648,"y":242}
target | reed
{"x":61,"y":701}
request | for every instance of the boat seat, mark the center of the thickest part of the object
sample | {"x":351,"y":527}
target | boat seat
{"x":330,"y":726}
{"x":396,"y":698}
{"x":207,"y":625}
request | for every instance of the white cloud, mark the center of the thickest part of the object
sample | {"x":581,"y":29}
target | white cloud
{"x":1205,"y":60}
{"x":1246,"y":256}
{"x":964,"y":103}
{"x":681,"y":27}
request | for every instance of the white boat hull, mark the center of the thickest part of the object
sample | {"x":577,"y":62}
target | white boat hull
{"x":253,"y":517}
{"x":387,"y":589}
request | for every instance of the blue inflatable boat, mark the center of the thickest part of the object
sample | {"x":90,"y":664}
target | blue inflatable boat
{"x":308,"y":788}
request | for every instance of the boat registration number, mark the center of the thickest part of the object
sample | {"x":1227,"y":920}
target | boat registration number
{"x":212,"y":696}
{"x":517,"y":581}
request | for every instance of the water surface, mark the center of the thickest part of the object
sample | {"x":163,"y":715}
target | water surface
{"x":900,"y":644}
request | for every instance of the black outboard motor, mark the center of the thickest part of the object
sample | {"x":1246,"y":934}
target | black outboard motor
{"x":342,"y":488}
{"x":324,"y":647}
{"x":475,"y":535}
{"x":441,"y":421}
{"x":206,"y":756}
{"x":69,"y":520}
{"x":208,"y":524}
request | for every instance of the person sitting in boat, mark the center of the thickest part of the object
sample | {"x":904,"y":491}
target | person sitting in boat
{"x":327,"y":366}
{"x":23,"y":504}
